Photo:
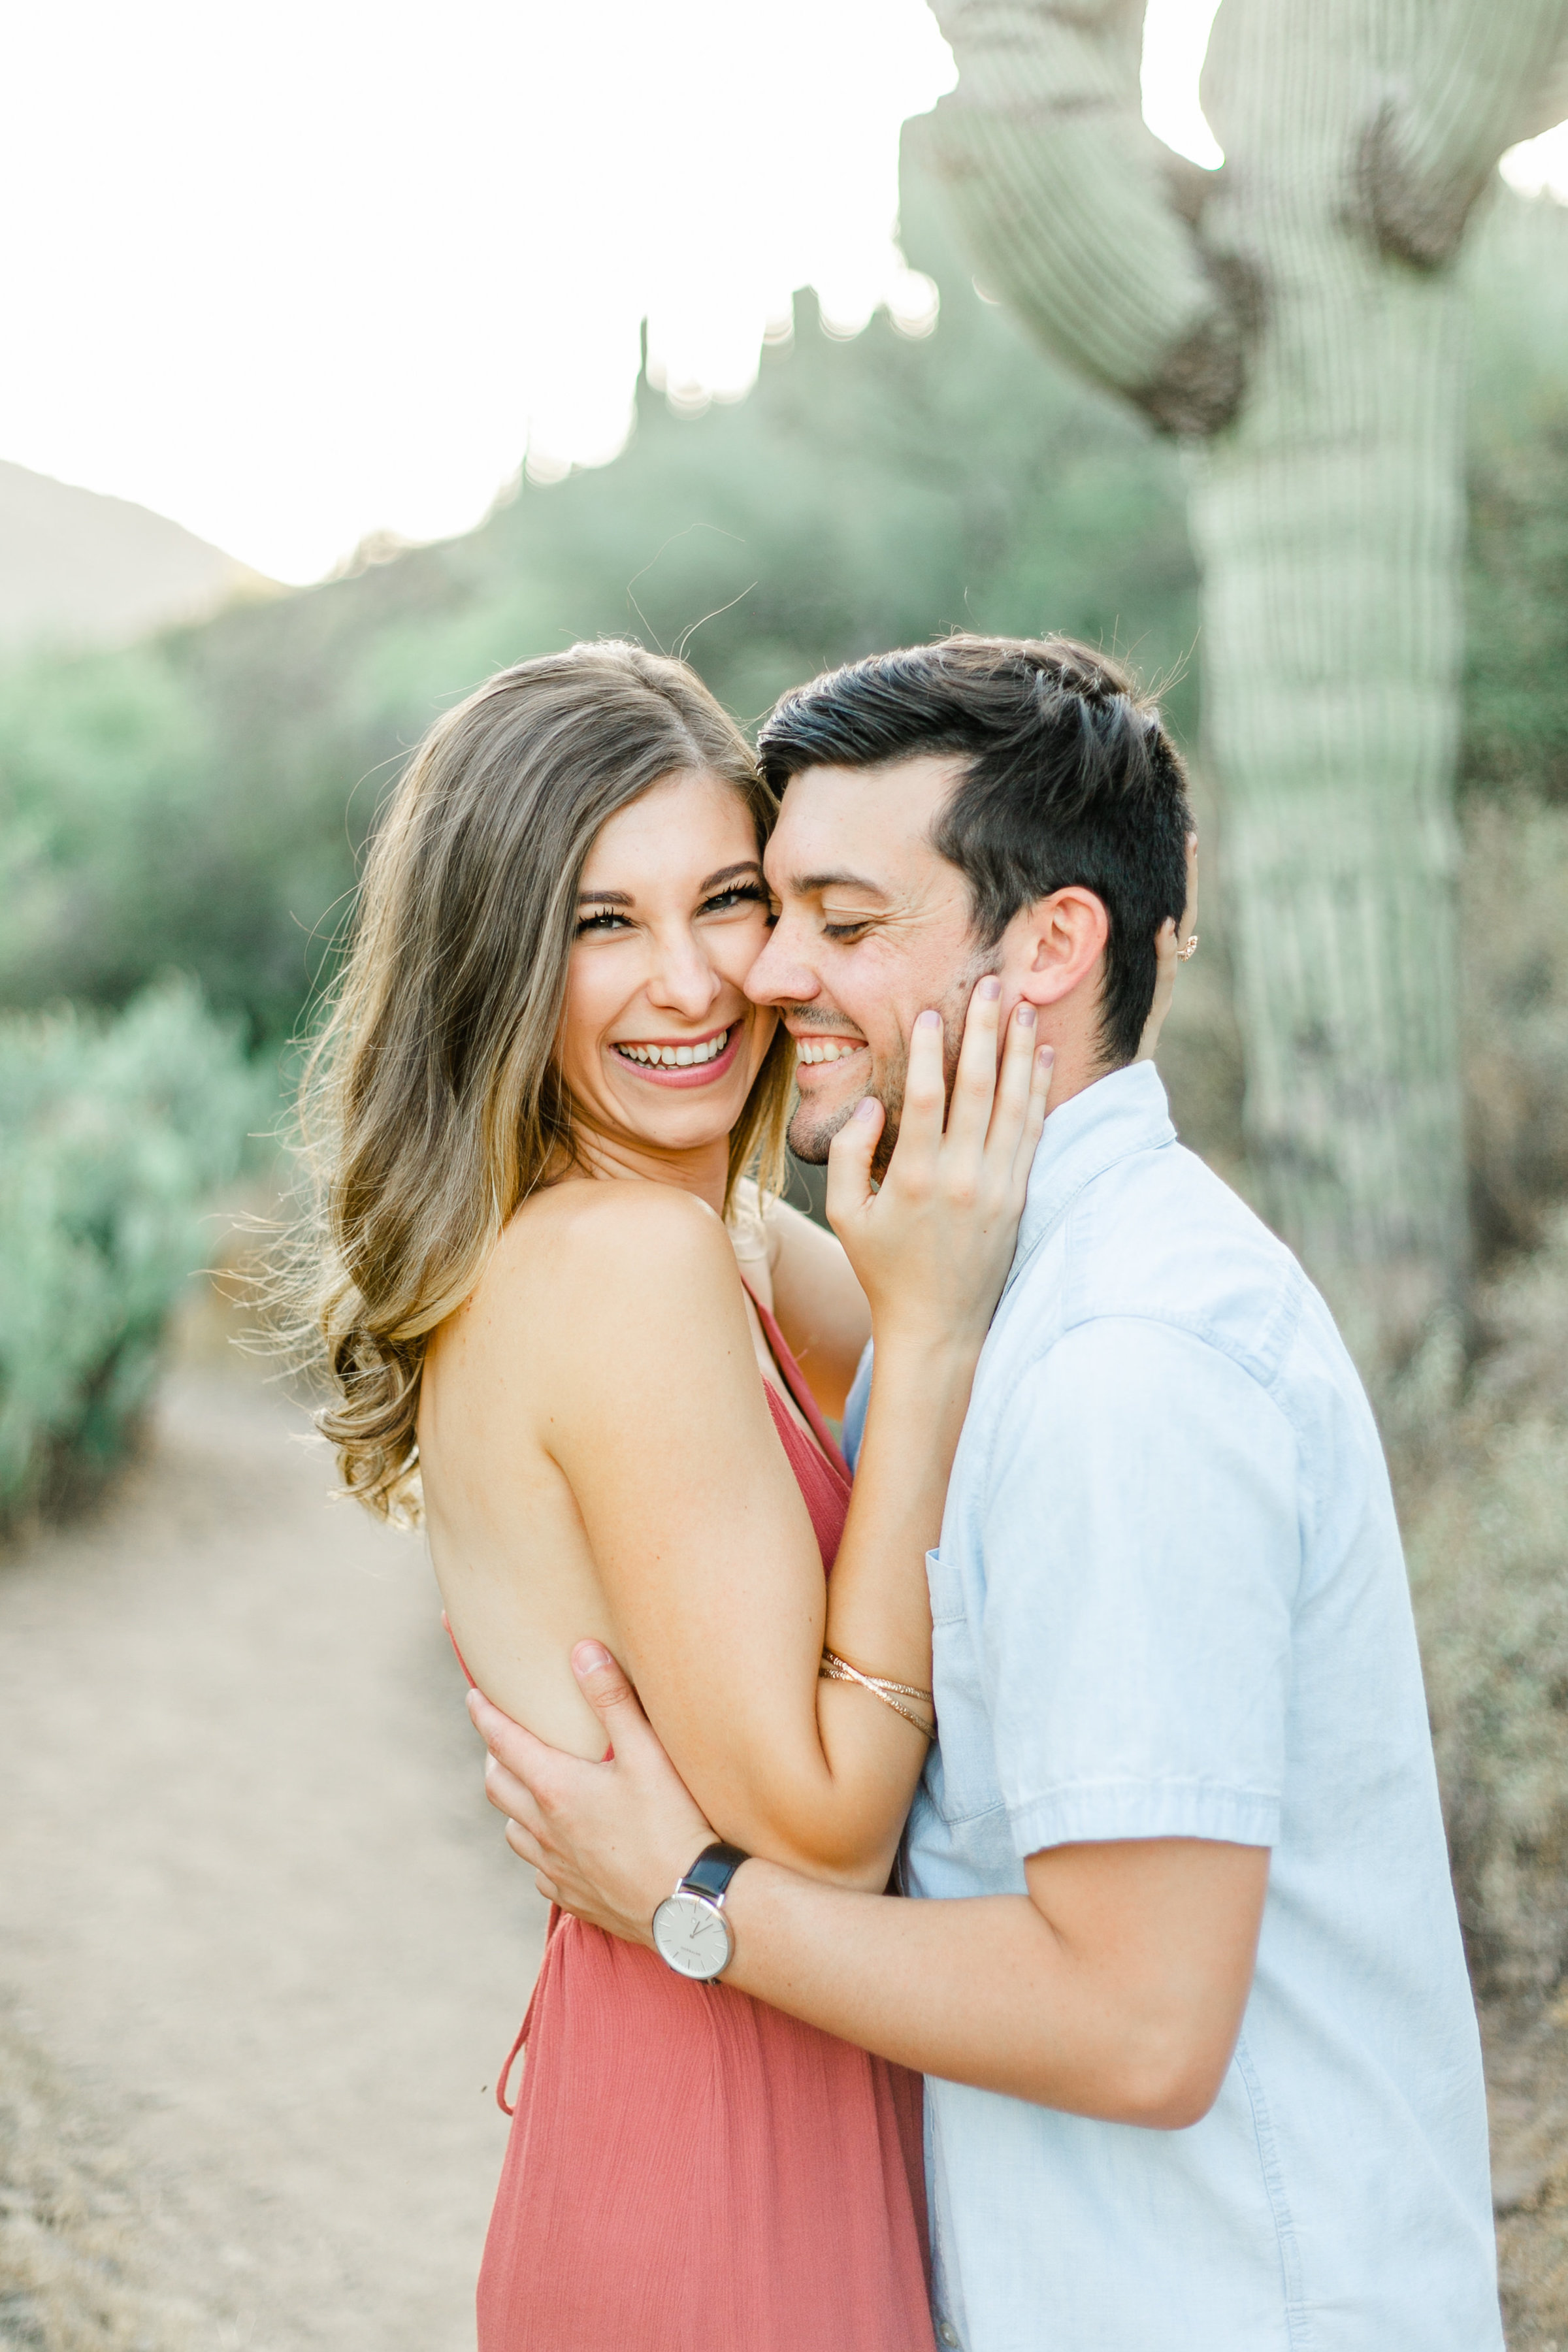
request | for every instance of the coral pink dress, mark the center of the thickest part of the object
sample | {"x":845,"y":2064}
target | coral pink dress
{"x":688,"y":2168}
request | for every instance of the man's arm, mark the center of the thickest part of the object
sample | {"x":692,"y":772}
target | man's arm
{"x":1114,"y":1989}
{"x":821,"y":1308}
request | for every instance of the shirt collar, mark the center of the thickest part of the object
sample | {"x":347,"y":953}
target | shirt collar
{"x":1122,"y":1113}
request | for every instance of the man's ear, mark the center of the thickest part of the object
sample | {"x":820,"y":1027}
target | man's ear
{"x":1052,"y":947}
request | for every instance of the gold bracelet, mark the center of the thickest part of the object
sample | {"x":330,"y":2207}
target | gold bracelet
{"x":835,"y":1669}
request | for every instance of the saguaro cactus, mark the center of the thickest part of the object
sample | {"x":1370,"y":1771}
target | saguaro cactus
{"x":1294,"y":319}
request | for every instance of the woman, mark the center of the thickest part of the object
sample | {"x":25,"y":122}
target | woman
{"x":550,"y":1300}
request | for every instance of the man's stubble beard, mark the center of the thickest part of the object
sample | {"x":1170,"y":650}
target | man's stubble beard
{"x":810,"y":1133}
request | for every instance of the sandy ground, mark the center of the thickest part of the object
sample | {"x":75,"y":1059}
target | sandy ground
{"x":261,"y":1946}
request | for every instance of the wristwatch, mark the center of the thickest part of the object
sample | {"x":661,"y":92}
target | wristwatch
{"x":690,"y":1933}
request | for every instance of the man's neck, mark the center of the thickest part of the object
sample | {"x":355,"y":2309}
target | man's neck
{"x":1080,"y":1060}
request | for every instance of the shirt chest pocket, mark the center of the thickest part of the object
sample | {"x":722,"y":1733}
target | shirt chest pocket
{"x":960,"y":1777}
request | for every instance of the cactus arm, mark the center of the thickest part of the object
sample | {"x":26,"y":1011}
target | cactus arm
{"x":1477,"y":79}
{"x":1075,"y":213}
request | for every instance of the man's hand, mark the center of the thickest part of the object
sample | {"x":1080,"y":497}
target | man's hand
{"x":606,"y":1841}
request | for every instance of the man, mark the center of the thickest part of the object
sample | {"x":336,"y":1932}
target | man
{"x":1203,"y":2068}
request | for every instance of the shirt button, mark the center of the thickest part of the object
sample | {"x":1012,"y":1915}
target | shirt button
{"x":948,"y":2332}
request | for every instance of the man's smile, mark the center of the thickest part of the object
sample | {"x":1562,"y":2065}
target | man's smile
{"x":809,"y":1051}
{"x":814,"y":1048}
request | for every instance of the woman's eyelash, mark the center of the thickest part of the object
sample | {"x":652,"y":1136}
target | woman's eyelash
{"x":611,"y":919}
{"x":736,"y":895}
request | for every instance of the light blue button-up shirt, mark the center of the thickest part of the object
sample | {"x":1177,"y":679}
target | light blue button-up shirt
{"x":1169,"y":1602}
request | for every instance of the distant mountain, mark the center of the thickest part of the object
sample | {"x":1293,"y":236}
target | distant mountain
{"x":79,"y":570}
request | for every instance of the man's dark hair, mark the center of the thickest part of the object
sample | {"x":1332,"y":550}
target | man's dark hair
{"x":1070,"y":778}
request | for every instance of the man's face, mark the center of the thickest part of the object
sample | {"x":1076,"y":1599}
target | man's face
{"x":873,"y":927}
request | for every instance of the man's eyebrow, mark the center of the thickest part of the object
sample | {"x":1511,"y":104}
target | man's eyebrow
{"x":811,"y":886}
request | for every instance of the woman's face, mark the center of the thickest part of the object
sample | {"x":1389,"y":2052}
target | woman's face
{"x":659,"y":1042}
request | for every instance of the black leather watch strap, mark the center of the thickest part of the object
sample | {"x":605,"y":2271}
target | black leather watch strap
{"x":713,"y":1869}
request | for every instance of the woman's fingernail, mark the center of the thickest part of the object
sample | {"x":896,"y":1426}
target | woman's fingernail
{"x":1025,"y":1016}
{"x":928,"y":1021}
{"x":990,"y":989}
{"x":1047,"y":1054}
{"x":589,"y":1655}
{"x":866,"y":1108}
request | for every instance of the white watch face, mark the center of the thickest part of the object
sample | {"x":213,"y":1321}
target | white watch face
{"x":692,"y":1936}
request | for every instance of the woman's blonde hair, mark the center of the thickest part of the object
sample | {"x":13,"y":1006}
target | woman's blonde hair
{"x":430,"y":1106}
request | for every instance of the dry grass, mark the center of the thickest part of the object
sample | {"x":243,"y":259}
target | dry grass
{"x":1483,"y":1488}
{"x":74,"y":2222}
{"x":1527,"y":2073}
{"x":1514,"y":909}
{"x":1479,"y":1427}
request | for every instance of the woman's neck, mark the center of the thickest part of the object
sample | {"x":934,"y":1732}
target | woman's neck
{"x":704,"y":1170}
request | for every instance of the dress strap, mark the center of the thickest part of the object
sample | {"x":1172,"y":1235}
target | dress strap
{"x":503,"y":2103}
{"x":508,"y":2107}
{"x":457,"y":1653}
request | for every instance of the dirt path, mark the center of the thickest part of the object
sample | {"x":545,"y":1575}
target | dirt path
{"x":258,"y":1928}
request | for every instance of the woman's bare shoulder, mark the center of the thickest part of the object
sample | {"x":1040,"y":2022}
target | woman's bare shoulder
{"x":641,"y":1249}
{"x":589,"y":1214}
{"x":613,"y":1320}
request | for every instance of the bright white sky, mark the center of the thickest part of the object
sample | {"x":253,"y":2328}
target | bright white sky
{"x":297,"y":274}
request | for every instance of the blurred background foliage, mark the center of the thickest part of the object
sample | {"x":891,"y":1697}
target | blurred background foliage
{"x":116,"y":1131}
{"x":195,"y":803}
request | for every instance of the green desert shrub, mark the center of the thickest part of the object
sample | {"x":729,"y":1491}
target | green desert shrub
{"x":113,"y":1136}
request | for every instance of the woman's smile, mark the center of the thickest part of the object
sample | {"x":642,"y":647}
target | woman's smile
{"x":682,"y":1061}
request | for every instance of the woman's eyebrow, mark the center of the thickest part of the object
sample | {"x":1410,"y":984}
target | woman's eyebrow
{"x":710,"y":882}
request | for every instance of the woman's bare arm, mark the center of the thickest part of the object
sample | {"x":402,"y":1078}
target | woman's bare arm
{"x":698,"y":1530}
{"x":706,"y":1555}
